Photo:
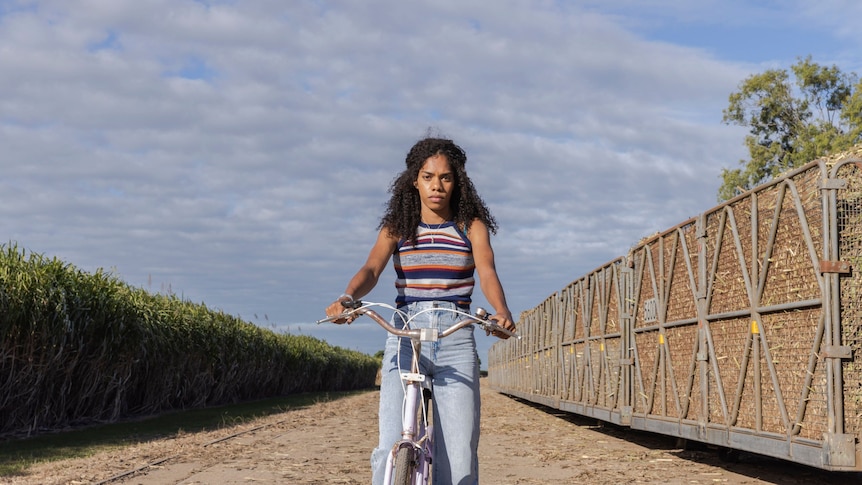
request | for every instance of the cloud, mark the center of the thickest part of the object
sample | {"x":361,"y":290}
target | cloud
{"x":240,"y":154}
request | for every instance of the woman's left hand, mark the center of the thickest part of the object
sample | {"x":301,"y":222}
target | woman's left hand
{"x":503,"y":319}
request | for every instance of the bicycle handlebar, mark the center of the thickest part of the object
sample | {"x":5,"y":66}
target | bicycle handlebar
{"x":481,"y":318}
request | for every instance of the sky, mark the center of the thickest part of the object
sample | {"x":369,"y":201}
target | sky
{"x":239,"y":153}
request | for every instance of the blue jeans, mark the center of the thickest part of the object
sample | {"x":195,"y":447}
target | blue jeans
{"x":452,"y":365}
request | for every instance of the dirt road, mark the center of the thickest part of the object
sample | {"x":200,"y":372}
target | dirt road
{"x":329,"y":443}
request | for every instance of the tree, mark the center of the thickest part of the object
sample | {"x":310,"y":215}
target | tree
{"x":790,"y":127}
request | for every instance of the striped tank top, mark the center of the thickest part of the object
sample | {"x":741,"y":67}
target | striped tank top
{"x":439,"y":266}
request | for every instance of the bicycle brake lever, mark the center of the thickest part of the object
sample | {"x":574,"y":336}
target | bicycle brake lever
{"x":482,"y":314}
{"x":332,"y":318}
{"x":352,"y":304}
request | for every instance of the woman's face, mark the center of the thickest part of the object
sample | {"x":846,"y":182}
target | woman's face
{"x":435,"y":183}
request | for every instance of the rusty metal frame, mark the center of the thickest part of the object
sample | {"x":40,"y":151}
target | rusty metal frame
{"x":588,"y":349}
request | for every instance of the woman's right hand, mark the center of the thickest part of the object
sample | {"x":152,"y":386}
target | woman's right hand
{"x":337,"y":308}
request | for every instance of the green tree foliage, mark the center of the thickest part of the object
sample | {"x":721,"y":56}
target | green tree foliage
{"x":791,"y":123}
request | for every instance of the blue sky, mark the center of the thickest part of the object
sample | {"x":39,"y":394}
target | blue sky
{"x":239,"y":153}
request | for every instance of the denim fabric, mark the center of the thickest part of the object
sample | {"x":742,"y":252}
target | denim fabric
{"x":452,"y":365}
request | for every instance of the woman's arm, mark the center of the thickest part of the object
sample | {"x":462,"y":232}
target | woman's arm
{"x":366,"y":278}
{"x":492,"y":289}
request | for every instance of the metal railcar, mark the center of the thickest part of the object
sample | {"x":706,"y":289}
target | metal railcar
{"x":740,"y":327}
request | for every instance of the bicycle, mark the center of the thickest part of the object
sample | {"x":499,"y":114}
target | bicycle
{"x":409,"y":462}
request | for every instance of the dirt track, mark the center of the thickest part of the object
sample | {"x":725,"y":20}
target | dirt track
{"x":329,"y":443}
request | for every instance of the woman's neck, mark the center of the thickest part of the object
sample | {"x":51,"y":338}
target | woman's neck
{"x":435,"y":218}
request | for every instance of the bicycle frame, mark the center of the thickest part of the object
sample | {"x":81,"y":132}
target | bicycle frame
{"x":417,"y":434}
{"x":410,"y":458}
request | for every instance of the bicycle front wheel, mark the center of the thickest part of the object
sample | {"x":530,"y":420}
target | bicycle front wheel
{"x":405,"y":464}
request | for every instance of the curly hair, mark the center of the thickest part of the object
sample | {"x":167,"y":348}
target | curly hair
{"x":404,"y":209}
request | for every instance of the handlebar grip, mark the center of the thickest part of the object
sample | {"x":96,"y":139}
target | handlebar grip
{"x":329,"y":319}
{"x":500,"y":328}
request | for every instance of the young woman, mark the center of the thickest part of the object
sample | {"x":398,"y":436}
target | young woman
{"x":437,"y":229}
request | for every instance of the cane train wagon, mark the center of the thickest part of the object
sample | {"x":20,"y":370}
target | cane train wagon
{"x":739,"y":328}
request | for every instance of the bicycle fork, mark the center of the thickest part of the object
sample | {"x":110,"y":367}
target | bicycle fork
{"x":416,"y":435}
